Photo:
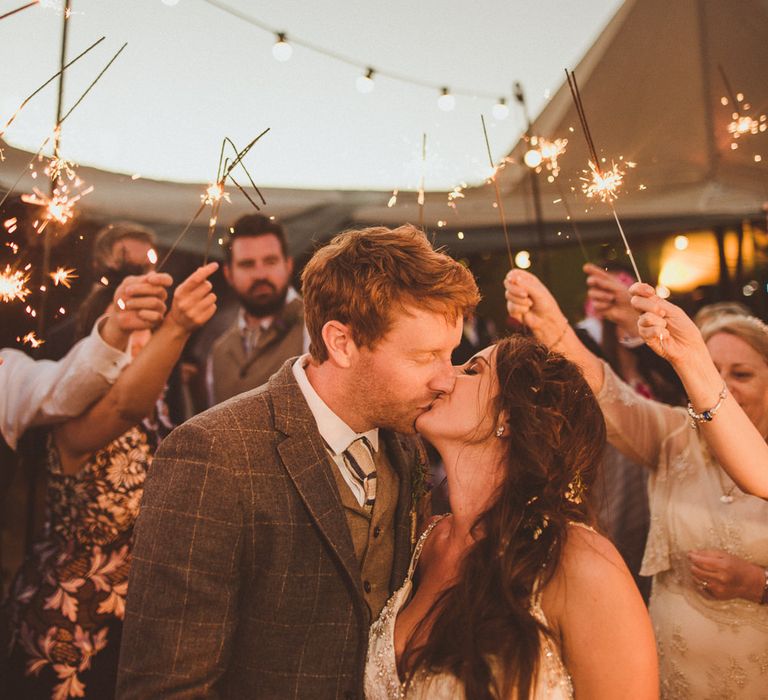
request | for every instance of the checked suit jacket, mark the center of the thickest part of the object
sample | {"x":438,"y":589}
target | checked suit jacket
{"x":244,"y":581}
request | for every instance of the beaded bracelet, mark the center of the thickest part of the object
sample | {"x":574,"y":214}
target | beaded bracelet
{"x":708,"y":415}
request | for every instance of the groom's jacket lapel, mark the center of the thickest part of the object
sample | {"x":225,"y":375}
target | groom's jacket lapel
{"x":308,"y":465}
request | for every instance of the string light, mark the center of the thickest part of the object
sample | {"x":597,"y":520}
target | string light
{"x":500,"y":110}
{"x":446,"y":101}
{"x":282,"y":50}
{"x":532,"y":158}
{"x":365,"y":82}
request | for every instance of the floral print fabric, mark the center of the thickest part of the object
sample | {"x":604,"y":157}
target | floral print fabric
{"x":71,"y":589}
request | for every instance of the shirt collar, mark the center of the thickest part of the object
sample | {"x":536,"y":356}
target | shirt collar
{"x":336,"y":433}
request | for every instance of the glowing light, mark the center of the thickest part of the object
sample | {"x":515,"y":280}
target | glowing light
{"x":13,"y":284}
{"x":456,"y":193}
{"x":121,"y":304}
{"x":214,"y":193}
{"x":31,"y":339}
{"x":282,"y":50}
{"x":364,"y":83}
{"x":605,"y":184}
{"x":662,"y":292}
{"x":460,"y":235}
{"x":743,"y":125}
{"x":10,"y":225}
{"x":758,"y":158}
{"x":500,"y":110}
{"x":104,"y":281}
{"x":60,"y":205}
{"x":550,"y":152}
{"x":681,"y":242}
{"x":393,"y":199}
{"x":63,"y":276}
{"x":446,"y":101}
{"x":523,"y":259}
{"x":152,"y":256}
{"x":532,"y":158}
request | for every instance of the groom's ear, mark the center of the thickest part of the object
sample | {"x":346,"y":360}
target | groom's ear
{"x":337,"y":337}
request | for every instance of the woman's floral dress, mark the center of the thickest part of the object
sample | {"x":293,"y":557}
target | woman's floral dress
{"x":68,"y":599}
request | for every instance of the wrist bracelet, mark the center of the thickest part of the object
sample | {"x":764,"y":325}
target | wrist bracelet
{"x":552,"y":346}
{"x":708,"y":415}
{"x":764,"y":598}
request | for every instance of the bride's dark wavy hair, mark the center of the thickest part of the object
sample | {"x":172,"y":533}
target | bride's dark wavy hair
{"x":484,"y":622}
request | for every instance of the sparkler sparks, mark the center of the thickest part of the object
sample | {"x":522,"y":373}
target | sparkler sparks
{"x":214,"y":193}
{"x":63,"y":276}
{"x":59,"y":206}
{"x":602,"y":184}
{"x":548,"y":152}
{"x":31,"y":339}
{"x":13,"y":284}
{"x":456,"y":193}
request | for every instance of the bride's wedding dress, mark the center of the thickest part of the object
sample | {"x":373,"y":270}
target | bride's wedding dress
{"x":383,"y":683}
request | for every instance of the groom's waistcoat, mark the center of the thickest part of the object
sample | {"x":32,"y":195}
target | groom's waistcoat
{"x":373,"y":533}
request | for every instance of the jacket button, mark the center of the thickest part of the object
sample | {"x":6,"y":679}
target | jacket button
{"x":367,"y":586}
{"x":376,"y":531}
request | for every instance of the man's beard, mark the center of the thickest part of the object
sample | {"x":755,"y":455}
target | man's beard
{"x":263,"y":305}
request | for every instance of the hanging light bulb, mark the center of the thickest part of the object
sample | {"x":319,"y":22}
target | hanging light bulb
{"x":500,"y":109}
{"x":446,"y":101}
{"x":365,"y":82}
{"x":282,"y":50}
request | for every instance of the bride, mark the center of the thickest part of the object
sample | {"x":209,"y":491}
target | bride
{"x":513,"y":595}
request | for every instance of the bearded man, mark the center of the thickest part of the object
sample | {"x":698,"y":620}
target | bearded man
{"x":270,"y":322}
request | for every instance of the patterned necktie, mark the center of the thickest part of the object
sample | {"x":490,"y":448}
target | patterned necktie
{"x":359,"y":458}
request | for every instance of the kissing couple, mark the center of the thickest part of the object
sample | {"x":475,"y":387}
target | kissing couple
{"x":275,"y":552}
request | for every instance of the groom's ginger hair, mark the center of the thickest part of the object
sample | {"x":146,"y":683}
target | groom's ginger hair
{"x":362,"y":276}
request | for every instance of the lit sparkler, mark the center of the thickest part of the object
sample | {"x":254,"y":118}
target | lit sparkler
{"x":63,"y":276}
{"x":59,"y":206}
{"x":741,"y":124}
{"x":13,"y":284}
{"x":499,"y":204}
{"x":548,"y":153}
{"x":31,"y":339}
{"x":601,"y":184}
{"x":456,"y":193}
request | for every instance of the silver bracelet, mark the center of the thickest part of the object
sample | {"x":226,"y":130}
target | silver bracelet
{"x":709,"y":414}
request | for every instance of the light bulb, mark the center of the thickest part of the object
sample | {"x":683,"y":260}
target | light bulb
{"x":282,"y":50}
{"x":681,"y":242}
{"x":500,"y":110}
{"x":532,"y":158}
{"x":446,"y":101}
{"x":365,"y":82}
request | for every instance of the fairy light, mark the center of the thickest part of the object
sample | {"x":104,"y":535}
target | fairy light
{"x":63,"y":276}
{"x":282,"y":50}
{"x":364,"y":83}
{"x":13,"y":284}
{"x":523,"y":259}
{"x":152,"y":256}
{"x":393,"y":199}
{"x":500,"y":110}
{"x":446,"y":102}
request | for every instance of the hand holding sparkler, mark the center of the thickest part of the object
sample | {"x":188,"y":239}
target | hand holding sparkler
{"x":139,"y":304}
{"x":529,"y":301}
{"x":666,"y":328}
{"x":611,"y":299}
{"x":193,"y":302}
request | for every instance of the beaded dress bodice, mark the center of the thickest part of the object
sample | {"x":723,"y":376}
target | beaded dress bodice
{"x":383,"y":683}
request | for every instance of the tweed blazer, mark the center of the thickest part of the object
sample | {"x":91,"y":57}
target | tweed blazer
{"x":244,"y":580}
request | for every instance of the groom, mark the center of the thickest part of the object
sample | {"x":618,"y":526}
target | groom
{"x":275,"y":526}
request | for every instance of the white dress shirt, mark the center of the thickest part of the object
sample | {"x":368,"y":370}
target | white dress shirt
{"x":336,"y":433}
{"x":34,"y":392}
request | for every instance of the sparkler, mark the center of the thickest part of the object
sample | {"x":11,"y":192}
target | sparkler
{"x":571,"y":221}
{"x":58,"y":207}
{"x":19,"y":9}
{"x":13,"y":284}
{"x":421,"y":180}
{"x":545,"y":153}
{"x":45,"y":84}
{"x":31,"y":339}
{"x":499,"y":204}
{"x":63,"y":276}
{"x":602,"y":184}
{"x":215,"y":193}
{"x":741,"y":124}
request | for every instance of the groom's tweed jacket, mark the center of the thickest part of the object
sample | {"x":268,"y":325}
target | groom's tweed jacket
{"x":244,"y":581}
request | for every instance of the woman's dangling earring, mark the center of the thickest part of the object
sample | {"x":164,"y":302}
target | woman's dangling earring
{"x":500,"y":431}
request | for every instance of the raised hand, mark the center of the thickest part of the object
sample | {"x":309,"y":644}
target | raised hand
{"x":611,"y":299}
{"x":531,"y":302}
{"x":664,"y":327}
{"x":193,"y":302}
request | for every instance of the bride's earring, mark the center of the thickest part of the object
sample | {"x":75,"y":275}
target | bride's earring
{"x":500,"y":431}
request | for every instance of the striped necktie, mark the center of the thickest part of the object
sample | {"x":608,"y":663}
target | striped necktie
{"x":359,"y":459}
